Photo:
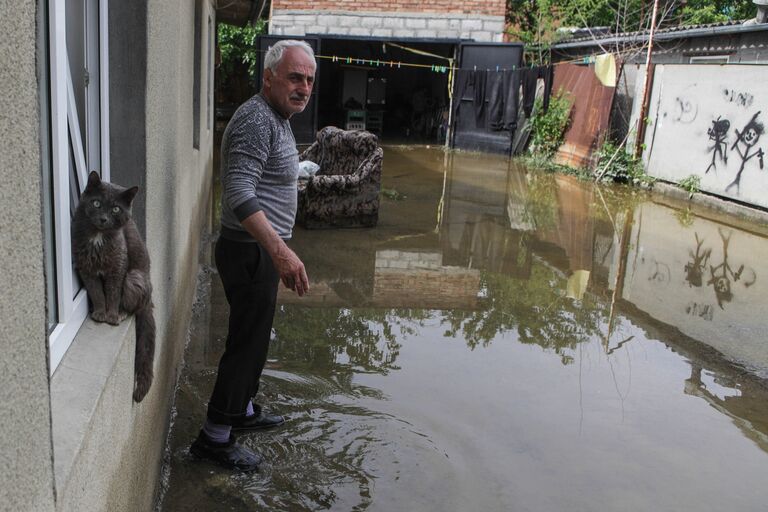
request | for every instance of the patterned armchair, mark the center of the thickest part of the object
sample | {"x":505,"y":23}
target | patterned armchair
{"x":345,"y":190}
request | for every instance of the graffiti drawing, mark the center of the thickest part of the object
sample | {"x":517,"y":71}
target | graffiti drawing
{"x":745,"y":141}
{"x":723,"y":275}
{"x":718,"y":133}
{"x":661,"y":273}
{"x":742,"y":99}
{"x":704,"y":311}
{"x":685,"y":110}
{"x":694,"y":269}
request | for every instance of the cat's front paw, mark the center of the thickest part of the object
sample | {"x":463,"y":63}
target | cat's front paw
{"x":113,"y":319}
{"x":99,"y":316}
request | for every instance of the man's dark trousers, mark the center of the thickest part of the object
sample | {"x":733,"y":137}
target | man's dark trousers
{"x":250,"y":283}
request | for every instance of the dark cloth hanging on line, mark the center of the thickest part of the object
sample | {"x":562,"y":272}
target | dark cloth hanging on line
{"x":530,"y":78}
{"x":479,"y":79}
{"x":495,"y":98}
{"x":548,"y":74}
{"x":504,"y":95}
{"x":462,"y":82}
{"x":496,"y":101}
{"x":511,"y":100}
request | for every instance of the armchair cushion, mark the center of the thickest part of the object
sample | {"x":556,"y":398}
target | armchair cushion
{"x":345,"y":190}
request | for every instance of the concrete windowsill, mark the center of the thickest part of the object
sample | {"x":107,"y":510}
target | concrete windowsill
{"x":77,"y":387}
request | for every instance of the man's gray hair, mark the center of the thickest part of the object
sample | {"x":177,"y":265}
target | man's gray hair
{"x":275,"y":52}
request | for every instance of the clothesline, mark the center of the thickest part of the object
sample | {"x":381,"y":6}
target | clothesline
{"x":383,"y":63}
{"x":436,"y":68}
{"x":445,"y":69}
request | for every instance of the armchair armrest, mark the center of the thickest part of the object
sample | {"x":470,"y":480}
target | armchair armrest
{"x":333,"y":184}
{"x":312,"y":153}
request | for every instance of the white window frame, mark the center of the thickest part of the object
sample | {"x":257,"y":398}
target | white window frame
{"x":72,"y":301}
{"x":710,"y":59}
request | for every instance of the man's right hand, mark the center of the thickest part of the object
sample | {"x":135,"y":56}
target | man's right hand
{"x":291,"y":270}
{"x":288,"y":265}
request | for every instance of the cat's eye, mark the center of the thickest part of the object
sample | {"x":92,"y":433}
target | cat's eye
{"x":96,"y":203}
{"x":116,"y":209}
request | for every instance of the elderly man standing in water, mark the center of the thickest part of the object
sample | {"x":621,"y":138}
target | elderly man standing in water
{"x":259,"y":169}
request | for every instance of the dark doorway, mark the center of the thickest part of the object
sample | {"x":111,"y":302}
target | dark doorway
{"x":384,"y":87}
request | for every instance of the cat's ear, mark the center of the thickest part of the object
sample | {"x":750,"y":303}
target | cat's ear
{"x":129,"y":194}
{"x":94,"y":180}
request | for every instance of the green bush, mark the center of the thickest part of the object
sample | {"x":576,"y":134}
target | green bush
{"x":613,"y":162}
{"x":548,"y":128}
{"x":238,"y":46}
{"x":690,"y":184}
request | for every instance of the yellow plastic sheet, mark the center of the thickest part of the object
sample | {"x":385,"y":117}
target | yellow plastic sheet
{"x":605,"y":69}
{"x":577,"y":284}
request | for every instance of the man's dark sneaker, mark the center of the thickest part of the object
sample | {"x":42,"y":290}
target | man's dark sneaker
{"x":231,"y":454}
{"x":257,"y":421}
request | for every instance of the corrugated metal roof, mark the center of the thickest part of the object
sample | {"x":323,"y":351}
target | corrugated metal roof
{"x":677,"y":32}
{"x":679,"y":28}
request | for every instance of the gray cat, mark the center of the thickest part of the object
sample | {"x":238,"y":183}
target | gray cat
{"x":113,"y":263}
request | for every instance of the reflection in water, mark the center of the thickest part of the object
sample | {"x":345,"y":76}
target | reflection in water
{"x":694,"y":269}
{"x":542,"y":331}
{"x":722,"y":275}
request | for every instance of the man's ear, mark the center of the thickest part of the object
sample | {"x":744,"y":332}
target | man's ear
{"x":267,"y":80}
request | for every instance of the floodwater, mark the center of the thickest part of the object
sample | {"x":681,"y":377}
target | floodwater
{"x":503,"y":340}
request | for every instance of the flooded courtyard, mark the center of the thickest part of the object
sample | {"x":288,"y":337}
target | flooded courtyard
{"x":502,"y":340}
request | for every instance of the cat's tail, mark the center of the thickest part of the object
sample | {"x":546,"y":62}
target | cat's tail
{"x":145,"y":351}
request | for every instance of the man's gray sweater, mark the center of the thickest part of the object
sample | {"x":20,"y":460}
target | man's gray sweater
{"x":259,"y":169}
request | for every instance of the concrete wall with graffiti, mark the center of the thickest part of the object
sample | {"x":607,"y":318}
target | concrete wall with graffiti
{"x":709,"y":283}
{"x":710,"y":121}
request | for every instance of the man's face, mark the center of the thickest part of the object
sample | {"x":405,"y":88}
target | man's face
{"x":288,"y":89}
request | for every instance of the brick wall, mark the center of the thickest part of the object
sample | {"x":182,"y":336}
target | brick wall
{"x":414,"y":279}
{"x":402,"y":279}
{"x":487,"y":8}
{"x":436,"y":19}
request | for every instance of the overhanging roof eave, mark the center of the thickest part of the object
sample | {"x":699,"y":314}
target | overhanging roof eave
{"x":662,"y":36}
{"x":426,"y":40}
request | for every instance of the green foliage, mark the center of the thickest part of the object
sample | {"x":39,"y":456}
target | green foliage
{"x":532,"y":21}
{"x":366,"y":339}
{"x":541,"y":207}
{"x":599,"y":13}
{"x":713,"y":11}
{"x":547,"y":164}
{"x":613,"y":162}
{"x":535,"y":307}
{"x":705,"y":14}
{"x":548,"y":128}
{"x":685,"y":217}
{"x":537,"y":21}
{"x":691,"y":184}
{"x":238,"y":47}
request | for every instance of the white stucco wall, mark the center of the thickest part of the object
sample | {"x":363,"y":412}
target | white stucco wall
{"x":117,"y":464}
{"x":686,"y":102}
{"x":26,"y":468}
{"x":661,"y":280}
